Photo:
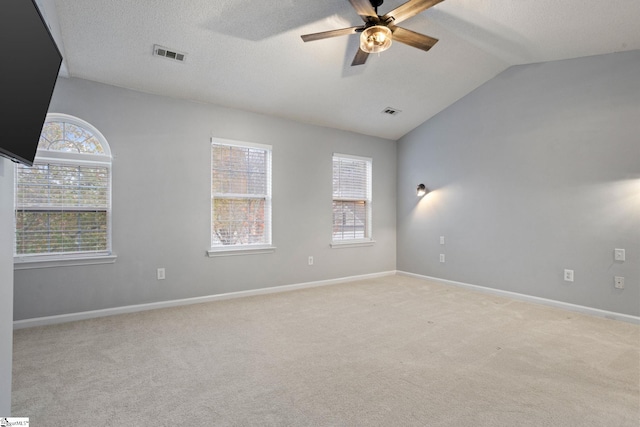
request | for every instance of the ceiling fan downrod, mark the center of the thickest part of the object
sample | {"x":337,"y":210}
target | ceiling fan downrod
{"x":375,"y":4}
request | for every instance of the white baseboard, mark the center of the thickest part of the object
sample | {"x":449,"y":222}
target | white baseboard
{"x":71,"y":317}
{"x":528,"y":298}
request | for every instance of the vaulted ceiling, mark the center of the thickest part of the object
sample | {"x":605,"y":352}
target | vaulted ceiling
{"x":248,"y":54}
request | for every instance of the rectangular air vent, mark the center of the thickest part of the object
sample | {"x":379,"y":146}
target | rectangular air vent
{"x":391,"y":111}
{"x":169,"y":53}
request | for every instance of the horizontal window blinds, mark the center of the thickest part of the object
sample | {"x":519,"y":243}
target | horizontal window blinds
{"x":47,"y":186}
{"x":241,"y":195}
{"x":239,"y":170}
{"x":351,"y":198}
{"x":61,"y":208}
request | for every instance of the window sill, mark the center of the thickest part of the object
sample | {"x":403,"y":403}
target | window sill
{"x":352,"y":243}
{"x":245,"y":250}
{"x":28,"y":262}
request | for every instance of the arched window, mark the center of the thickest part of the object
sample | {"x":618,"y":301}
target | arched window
{"x":63,"y":202}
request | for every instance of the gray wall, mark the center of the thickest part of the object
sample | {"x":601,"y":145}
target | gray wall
{"x":536,"y":171}
{"x":6,"y":284}
{"x":161,"y":204}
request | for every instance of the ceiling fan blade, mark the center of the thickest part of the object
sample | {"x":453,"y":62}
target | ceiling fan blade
{"x":365,"y":10}
{"x":360,"y":58}
{"x":328,"y":34}
{"x":412,"y":38}
{"x":408,"y":9}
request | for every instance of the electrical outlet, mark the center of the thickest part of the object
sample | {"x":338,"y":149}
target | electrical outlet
{"x":442,"y":240}
{"x":618,"y":254}
{"x":310,"y":260}
{"x":618,"y":282}
{"x":568,"y":275}
{"x":441,"y":257}
{"x":160,"y":274}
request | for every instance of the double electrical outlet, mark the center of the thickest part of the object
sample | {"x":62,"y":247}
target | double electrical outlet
{"x":568,"y":275}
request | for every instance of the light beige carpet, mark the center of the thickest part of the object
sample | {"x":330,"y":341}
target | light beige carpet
{"x":393,"y":351}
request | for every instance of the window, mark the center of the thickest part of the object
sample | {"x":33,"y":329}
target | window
{"x":351,"y":199}
{"x":240,"y":197}
{"x":63,"y":203}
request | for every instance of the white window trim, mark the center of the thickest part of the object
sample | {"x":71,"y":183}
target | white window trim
{"x":351,"y":156}
{"x":241,"y":144}
{"x":354,"y":243}
{"x":26,"y":261}
{"x":367,"y":241}
{"x":243,"y":250}
{"x":253,"y":249}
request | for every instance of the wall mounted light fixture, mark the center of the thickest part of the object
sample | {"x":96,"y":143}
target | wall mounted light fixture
{"x":421,"y":190}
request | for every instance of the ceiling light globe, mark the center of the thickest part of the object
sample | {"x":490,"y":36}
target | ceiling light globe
{"x":375,"y":39}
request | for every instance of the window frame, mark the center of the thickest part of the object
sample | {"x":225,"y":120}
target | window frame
{"x":43,"y":156}
{"x":367,"y":240}
{"x":252,"y":248}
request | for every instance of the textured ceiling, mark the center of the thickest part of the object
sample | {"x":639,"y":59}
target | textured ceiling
{"x":248,"y":54}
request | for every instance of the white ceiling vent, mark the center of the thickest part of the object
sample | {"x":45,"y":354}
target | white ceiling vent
{"x":168,"y":53}
{"x":391,"y":111}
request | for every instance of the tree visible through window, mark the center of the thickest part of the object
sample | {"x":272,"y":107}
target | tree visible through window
{"x":63,"y":202}
{"x":240,"y":194}
{"x":351,"y":198}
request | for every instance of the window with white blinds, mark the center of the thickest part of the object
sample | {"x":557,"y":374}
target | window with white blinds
{"x":351,"y":198}
{"x":240,"y":195}
{"x":63,"y":202}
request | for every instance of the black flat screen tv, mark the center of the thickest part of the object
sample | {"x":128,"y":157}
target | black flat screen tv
{"x":30,"y":65}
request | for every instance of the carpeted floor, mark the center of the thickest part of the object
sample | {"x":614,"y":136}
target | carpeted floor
{"x":392,"y":351}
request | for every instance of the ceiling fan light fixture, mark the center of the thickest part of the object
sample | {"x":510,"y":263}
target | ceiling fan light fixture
{"x":376,"y":38}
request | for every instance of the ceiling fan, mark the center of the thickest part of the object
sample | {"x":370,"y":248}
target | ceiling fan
{"x":378,"y":31}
